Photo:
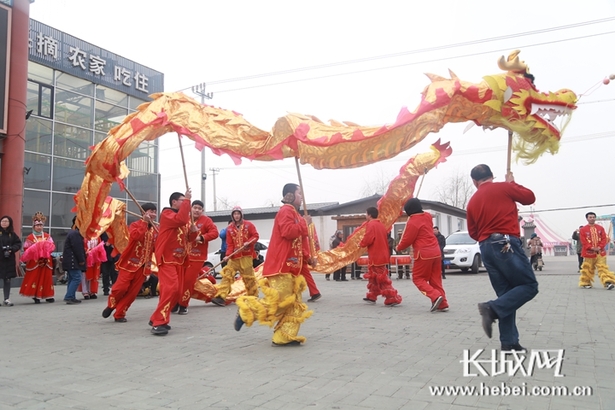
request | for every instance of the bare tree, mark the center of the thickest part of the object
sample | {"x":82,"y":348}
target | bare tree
{"x":224,"y":204}
{"x":377,"y":185}
{"x":456,"y":190}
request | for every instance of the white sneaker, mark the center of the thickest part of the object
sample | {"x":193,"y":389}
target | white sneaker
{"x":587,"y":286}
{"x":8,"y":303}
{"x":610,"y":286}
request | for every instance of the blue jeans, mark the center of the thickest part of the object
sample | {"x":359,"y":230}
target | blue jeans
{"x":74,"y":279}
{"x":513,"y":280}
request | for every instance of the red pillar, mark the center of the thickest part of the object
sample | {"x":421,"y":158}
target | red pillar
{"x":11,"y":174}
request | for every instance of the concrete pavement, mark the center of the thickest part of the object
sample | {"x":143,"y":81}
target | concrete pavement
{"x":357,"y":356}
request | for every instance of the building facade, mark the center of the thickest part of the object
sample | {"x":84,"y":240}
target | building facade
{"x":77,"y":92}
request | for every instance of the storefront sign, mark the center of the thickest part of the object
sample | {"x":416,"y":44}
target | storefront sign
{"x":61,"y":51}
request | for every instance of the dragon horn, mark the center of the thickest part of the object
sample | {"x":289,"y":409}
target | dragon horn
{"x":512,"y":63}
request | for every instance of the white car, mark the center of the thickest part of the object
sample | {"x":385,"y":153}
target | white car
{"x":462,"y":252}
{"x":213,"y":258}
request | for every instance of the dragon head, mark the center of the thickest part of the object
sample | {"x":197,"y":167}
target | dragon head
{"x":538,"y":119}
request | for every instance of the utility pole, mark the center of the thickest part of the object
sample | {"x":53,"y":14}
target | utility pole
{"x":214,"y":171}
{"x":199,"y":90}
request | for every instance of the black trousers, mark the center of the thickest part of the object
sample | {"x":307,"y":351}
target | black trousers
{"x":109,"y":275}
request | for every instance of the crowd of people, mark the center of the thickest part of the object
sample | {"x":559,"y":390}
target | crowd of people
{"x":165,"y":258}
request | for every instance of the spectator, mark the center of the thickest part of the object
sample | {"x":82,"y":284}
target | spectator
{"x":73,"y":262}
{"x":578,"y":246}
{"x":11,"y":244}
{"x":441,"y":243}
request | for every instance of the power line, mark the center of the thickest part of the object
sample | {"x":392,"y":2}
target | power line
{"x":410,"y":52}
{"x":413,"y":63}
{"x":572,"y":208}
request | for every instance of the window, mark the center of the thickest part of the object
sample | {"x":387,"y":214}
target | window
{"x":73,"y":108}
{"x":33,"y":202}
{"x":61,"y":215}
{"x":134,"y":103}
{"x":72,"y":142}
{"x":40,"y":73}
{"x":38,"y":135}
{"x":74,"y":84}
{"x":40,"y":99}
{"x":142,"y":159}
{"x":37,"y":173}
{"x":67,"y":176}
{"x":143,"y":186}
{"x":59,"y":237}
{"x":111,"y":96}
{"x":108,"y":116}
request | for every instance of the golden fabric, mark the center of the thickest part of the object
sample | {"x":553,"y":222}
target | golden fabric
{"x":508,"y":100}
{"x":588,"y":271}
{"x":281,"y":305}
{"x":246,"y":271}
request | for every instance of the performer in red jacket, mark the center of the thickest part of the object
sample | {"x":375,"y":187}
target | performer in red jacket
{"x":38,"y":282}
{"x":377,"y":244}
{"x":427,"y":269}
{"x":594,"y":241}
{"x":172,"y":246}
{"x":206,"y":231}
{"x":288,"y":255}
{"x":133,"y":266}
{"x":241,"y":236}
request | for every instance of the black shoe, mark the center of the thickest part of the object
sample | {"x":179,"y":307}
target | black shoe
{"x":610,"y":286}
{"x":160,"y":331}
{"x":293,"y":343}
{"x":182,"y":310}
{"x":168,"y":327}
{"x":369,"y":300}
{"x":107,"y":312}
{"x":218,"y":301}
{"x":315,"y":297}
{"x":488,"y":316}
{"x":121,"y":320}
{"x":344,"y":280}
{"x":516,"y":348}
{"x":93,"y":296}
{"x":106,"y":293}
{"x":37,"y":300}
{"x":238,"y":323}
{"x":175,"y":309}
{"x":86,"y":297}
{"x":72,"y":301}
{"x":436,"y":304}
{"x":50,"y":300}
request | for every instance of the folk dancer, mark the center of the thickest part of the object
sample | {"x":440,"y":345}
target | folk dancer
{"x":205,"y":231}
{"x":283,"y":282}
{"x":593,"y":243}
{"x":427,"y":268}
{"x":134,"y":265}
{"x":377,"y":244}
{"x":241,"y":236}
{"x":172,"y":247}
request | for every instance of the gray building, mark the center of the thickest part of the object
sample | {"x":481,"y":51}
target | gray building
{"x":77,"y":92}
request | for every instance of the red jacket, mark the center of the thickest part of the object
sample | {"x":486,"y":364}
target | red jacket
{"x":418,"y":233}
{"x":237,"y":236}
{"x":208,"y":230}
{"x":493,"y":209}
{"x":592,"y":236}
{"x":289,"y":243}
{"x":172,"y":244}
{"x":140,"y":247}
{"x":376,"y":242}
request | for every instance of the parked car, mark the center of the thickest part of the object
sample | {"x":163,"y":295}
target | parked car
{"x":213,"y":258}
{"x":462,"y":252}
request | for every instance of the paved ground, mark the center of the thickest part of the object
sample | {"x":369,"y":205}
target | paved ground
{"x":357,"y":356}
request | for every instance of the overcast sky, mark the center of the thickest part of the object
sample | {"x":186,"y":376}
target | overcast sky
{"x":363,"y":61}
